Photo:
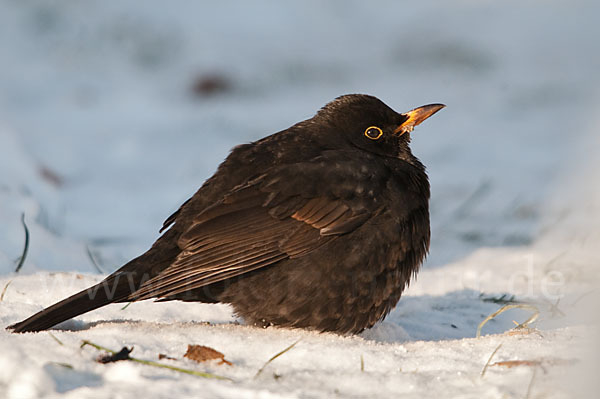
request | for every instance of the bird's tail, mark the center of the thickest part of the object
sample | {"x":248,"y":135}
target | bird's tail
{"x":115,"y":288}
{"x":118,"y":287}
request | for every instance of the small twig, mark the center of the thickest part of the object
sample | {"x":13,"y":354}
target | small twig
{"x":508,"y":307}
{"x":126,"y":305}
{"x":162,"y":356}
{"x":93,"y":259}
{"x":123,"y":354}
{"x":65,"y":365}
{"x":156,"y":364}
{"x":516,"y":363}
{"x":26,"y":247}
{"x":56,"y":339}
{"x":504,"y":299}
{"x":531,"y":383}
{"x":362,"y":363}
{"x":4,"y":290}
{"x":275,"y":357}
{"x":487,"y":364}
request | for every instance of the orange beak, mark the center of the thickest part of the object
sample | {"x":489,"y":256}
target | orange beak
{"x":416,"y":116}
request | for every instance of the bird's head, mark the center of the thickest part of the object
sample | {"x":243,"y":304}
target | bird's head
{"x":367,"y":123}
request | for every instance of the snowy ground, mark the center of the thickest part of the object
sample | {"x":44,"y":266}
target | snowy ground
{"x":102,"y":137}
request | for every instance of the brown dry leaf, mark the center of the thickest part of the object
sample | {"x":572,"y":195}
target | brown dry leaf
{"x":211,"y":84}
{"x":514,"y":363}
{"x":201,"y":353}
{"x":523,"y":331}
{"x":535,"y":363}
{"x":51,"y":176}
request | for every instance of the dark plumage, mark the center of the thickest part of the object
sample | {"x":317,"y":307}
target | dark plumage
{"x":319,"y":226}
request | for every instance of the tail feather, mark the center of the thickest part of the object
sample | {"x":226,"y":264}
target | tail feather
{"x":115,"y":288}
{"x":118,"y":287}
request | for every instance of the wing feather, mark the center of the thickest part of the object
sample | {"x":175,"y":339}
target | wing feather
{"x":249,"y":229}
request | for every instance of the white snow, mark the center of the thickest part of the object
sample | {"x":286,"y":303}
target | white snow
{"x":101,"y":139}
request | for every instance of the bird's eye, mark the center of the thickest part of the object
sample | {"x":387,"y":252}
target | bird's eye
{"x":373,"y":133}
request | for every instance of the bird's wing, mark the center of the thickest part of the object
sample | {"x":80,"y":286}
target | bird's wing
{"x":268,"y":219}
{"x":171,"y":219}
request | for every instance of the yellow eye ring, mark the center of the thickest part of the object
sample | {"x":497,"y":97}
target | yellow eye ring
{"x":373,"y":133}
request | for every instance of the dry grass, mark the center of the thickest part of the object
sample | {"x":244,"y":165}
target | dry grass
{"x":504,"y":308}
{"x":156,"y":364}
{"x":275,"y":357}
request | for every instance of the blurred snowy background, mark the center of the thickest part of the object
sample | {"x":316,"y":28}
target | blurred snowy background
{"x":113,"y":113}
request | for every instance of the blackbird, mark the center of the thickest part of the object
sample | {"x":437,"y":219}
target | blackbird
{"x":319,"y":226}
